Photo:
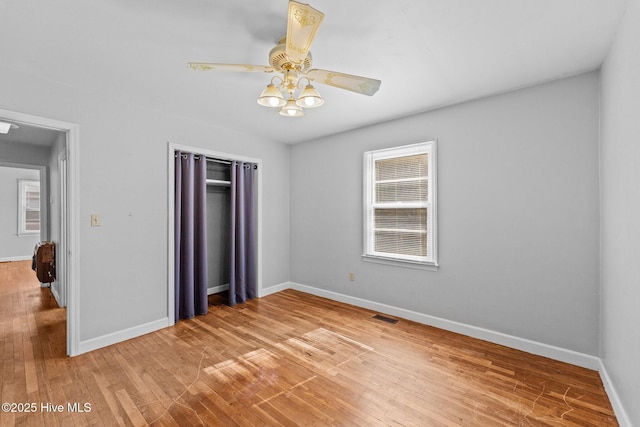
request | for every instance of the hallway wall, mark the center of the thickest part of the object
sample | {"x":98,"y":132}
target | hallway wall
{"x":13,"y":246}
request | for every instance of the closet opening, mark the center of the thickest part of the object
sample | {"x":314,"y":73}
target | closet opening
{"x":218,"y":229}
{"x":219,"y":213}
{"x":227,"y":257}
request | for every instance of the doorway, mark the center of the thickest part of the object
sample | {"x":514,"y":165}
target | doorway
{"x":172,"y":148}
{"x":62,"y":198}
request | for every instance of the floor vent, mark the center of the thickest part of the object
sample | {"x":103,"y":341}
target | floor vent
{"x":385,"y":318}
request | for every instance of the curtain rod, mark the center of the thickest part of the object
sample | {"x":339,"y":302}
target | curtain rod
{"x":215,"y":160}
{"x":208,"y":159}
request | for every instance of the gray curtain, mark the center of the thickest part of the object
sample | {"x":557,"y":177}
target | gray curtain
{"x":242,"y":268}
{"x":190,"y":235}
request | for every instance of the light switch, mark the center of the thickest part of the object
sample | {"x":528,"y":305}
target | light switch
{"x":95,"y":220}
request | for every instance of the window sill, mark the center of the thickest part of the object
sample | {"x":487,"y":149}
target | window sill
{"x":37,"y":233}
{"x":429,"y":266}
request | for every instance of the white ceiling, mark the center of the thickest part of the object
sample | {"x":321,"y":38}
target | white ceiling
{"x":428,"y":53}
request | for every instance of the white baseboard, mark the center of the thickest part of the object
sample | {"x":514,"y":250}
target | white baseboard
{"x":612,"y":393}
{"x":126,"y":334}
{"x":17,"y":258}
{"x":219,"y":288}
{"x":274,"y":289}
{"x":541,"y":349}
{"x":119,"y":336}
{"x":54,"y":291}
{"x":534,"y":347}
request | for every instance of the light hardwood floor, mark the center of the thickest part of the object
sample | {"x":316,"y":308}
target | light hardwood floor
{"x":287,"y":359}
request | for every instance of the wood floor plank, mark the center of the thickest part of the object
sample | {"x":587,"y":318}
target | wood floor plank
{"x":288,"y":359}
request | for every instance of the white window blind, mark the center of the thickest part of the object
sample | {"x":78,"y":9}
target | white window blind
{"x":29,"y":207}
{"x":400,"y":204}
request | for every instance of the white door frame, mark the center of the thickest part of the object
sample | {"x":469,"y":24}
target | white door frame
{"x":72,"y":291}
{"x":63,"y":267}
{"x":171,"y":215}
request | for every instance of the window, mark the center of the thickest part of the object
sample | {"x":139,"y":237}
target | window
{"x":400,"y":205}
{"x":28,"y":207}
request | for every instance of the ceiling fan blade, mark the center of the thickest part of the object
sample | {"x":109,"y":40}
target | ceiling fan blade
{"x":208,"y":66}
{"x":302,"y":26}
{"x":358,"y":84}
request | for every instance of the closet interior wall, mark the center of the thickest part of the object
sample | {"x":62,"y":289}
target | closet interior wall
{"x":218,"y":225}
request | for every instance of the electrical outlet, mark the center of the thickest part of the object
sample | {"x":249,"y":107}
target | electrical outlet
{"x":352,"y":276}
{"x":95,"y":220}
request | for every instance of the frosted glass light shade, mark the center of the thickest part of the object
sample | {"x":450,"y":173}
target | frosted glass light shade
{"x":291,"y":109}
{"x":4,"y":127}
{"x":271,"y":97}
{"x":310,"y":98}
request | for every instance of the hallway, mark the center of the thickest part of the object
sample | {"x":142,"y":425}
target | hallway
{"x":33,"y":344}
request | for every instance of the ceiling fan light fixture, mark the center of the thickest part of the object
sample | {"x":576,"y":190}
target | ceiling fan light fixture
{"x":271,"y":97}
{"x":292,"y":60}
{"x":291,"y":109}
{"x":6,"y":127}
{"x":309,"y":98}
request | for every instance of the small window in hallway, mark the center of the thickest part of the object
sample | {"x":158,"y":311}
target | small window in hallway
{"x":28,"y":207}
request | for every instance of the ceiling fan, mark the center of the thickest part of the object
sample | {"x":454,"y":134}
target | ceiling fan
{"x":292,"y":58}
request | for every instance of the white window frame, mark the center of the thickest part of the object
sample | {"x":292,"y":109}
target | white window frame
{"x":429,"y":262}
{"x":23,"y":185}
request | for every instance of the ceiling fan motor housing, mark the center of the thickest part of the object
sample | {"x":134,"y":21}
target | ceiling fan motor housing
{"x":279,"y":60}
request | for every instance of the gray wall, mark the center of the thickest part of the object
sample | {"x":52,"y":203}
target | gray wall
{"x":30,"y":156}
{"x":518,"y":214}
{"x":620,"y":164}
{"x":218,"y":235}
{"x":123,"y":177}
{"x":12,"y":245}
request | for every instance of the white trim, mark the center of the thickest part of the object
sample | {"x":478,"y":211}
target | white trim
{"x":56,"y":295}
{"x":123,"y":335}
{"x":275,"y":289}
{"x":23,"y":185}
{"x":217,"y":288}
{"x":621,"y":414}
{"x":430,"y":261}
{"x":63,"y":223}
{"x":171,"y":149}
{"x":534,"y":347}
{"x":17,"y":258}
{"x":72,"y":146}
{"x":419,"y":265}
{"x":72,"y":293}
{"x":171,"y":313}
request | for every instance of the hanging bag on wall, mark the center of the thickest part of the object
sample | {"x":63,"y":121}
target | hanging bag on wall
{"x":45,"y":262}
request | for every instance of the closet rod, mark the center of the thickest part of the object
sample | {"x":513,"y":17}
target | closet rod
{"x":226,"y":162}
{"x":219,"y":182}
{"x":213,"y":160}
